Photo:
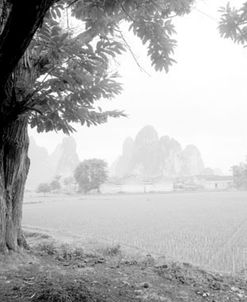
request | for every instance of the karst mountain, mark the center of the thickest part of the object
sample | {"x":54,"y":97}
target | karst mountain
{"x":45,"y":167}
{"x":149,"y":155}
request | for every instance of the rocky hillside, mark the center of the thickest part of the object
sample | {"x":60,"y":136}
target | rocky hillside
{"x":150,"y":156}
{"x":45,"y":167}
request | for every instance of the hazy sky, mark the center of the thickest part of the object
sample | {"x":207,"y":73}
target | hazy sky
{"x":201,"y":101}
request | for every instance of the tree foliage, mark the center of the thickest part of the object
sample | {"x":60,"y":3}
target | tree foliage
{"x":233,"y":23}
{"x":68,"y":181}
{"x":52,"y":77}
{"x":90,"y":174}
{"x":55,"y":185}
{"x":62,"y":75}
{"x":240,"y":176}
{"x":43,"y":188}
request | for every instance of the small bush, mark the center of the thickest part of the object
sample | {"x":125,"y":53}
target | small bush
{"x":68,"y":253}
{"x":43,"y":188}
{"x":63,"y":252}
{"x":48,"y":248}
{"x":112,"y":250}
{"x":78,"y":253}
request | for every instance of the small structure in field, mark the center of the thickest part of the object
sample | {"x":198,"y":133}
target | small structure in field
{"x":204,"y":182}
{"x":217,"y":182}
{"x":133,"y":184}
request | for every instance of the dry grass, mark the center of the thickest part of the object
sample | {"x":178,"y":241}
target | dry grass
{"x":111,"y":251}
{"x":61,"y":289}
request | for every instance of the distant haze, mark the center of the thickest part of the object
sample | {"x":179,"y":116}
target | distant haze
{"x":44,"y":167}
{"x":150,"y":156}
{"x":201,"y":101}
{"x":147,"y":156}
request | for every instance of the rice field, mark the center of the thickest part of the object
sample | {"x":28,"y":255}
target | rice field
{"x":208,"y":229}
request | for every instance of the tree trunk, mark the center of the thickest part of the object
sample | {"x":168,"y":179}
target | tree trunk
{"x":18,"y":30}
{"x":26,"y":16}
{"x":14,"y":166}
{"x":19,"y":21}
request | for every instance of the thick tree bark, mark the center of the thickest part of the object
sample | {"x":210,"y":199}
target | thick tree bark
{"x":19,"y":21}
{"x":22,"y":22}
{"x":14,"y":165}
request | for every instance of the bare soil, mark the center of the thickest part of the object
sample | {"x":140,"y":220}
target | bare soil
{"x":56,"y":272}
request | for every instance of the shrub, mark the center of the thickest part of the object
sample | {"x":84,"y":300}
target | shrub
{"x":43,"y":188}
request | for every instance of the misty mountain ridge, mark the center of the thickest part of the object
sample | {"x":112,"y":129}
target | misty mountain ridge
{"x":45,"y":167}
{"x":150,"y":156}
{"x":146,"y":156}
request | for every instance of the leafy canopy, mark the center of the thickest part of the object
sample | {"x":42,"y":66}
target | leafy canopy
{"x":63,"y":74}
{"x":240,"y":176}
{"x":233,"y":23}
{"x":55,"y":185}
{"x":43,"y":188}
{"x":90,"y":174}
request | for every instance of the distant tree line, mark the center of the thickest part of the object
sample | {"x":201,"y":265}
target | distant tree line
{"x":240,"y":176}
{"x":89,"y":175}
{"x":53,"y":186}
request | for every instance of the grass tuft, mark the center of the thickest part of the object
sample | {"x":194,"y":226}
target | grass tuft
{"x":61,"y":288}
{"x":48,"y":248}
{"x":111,"y":251}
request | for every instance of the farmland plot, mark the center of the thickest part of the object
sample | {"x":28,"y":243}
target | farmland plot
{"x":207,"y":229}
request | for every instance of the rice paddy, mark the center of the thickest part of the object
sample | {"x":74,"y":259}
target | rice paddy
{"x":208,"y":229}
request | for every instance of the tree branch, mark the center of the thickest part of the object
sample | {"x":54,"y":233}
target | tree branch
{"x":132,"y":53}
